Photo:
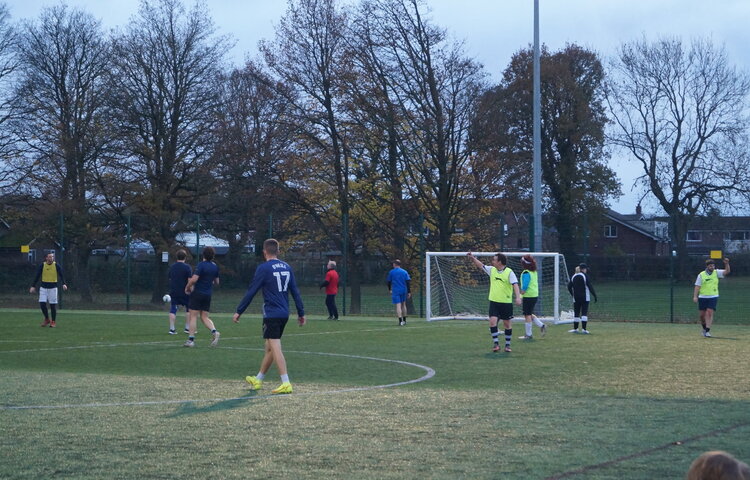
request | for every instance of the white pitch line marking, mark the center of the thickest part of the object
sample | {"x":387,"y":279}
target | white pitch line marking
{"x":429,"y":373}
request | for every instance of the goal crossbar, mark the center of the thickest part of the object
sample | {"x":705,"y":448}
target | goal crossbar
{"x":457,"y":290}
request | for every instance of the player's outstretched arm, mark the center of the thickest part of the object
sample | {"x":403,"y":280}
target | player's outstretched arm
{"x":475,"y":260}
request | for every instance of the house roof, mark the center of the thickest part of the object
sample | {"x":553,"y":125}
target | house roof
{"x":718,"y":223}
{"x":636,"y":222}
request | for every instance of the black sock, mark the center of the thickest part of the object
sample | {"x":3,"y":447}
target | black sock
{"x":575,"y":325}
{"x":43,"y":306}
{"x":494,"y":331}
{"x":53,"y":307}
{"x":583,"y":324}
{"x":508,"y":336}
{"x":191,"y":338}
{"x":708,"y":330}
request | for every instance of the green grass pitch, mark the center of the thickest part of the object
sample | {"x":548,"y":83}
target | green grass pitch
{"x":111,"y":395}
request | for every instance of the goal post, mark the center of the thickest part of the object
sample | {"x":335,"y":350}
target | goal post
{"x":456,"y":289}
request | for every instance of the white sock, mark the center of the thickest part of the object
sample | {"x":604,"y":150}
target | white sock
{"x":260,"y":376}
{"x":536,"y":321}
{"x":284,"y":378}
{"x":528,"y":329}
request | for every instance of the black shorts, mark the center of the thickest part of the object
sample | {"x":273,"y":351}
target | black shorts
{"x":273,"y":328}
{"x":528,"y":305}
{"x":503,"y":311}
{"x":580,"y":309}
{"x":200,"y":301}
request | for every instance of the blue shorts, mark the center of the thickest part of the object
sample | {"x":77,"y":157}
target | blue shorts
{"x":398,"y":298}
{"x":706,"y":303}
{"x":178,"y":300}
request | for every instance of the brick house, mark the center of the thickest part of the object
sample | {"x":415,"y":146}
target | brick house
{"x":630,"y":234}
{"x":731,"y":235}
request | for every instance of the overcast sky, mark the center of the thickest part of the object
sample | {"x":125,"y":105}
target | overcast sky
{"x":494,"y":29}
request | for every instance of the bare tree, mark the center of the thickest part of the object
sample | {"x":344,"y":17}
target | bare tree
{"x":8,"y":65}
{"x":167,"y":71}
{"x":374,"y":116}
{"x":435,"y":87}
{"x":681,"y":112}
{"x":252,"y":136}
{"x":61,"y":98}
{"x":306,"y":58}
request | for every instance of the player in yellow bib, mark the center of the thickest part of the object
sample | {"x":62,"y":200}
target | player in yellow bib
{"x":530,"y":293}
{"x":503,"y":285}
{"x":706,"y":292}
{"x":50,"y":273}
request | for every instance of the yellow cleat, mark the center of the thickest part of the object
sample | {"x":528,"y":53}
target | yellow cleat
{"x":285,"y":387}
{"x":255,"y":384}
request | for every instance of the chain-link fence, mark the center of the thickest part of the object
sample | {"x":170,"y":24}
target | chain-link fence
{"x":629,"y":289}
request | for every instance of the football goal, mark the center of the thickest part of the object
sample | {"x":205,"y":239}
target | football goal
{"x":458,"y":289}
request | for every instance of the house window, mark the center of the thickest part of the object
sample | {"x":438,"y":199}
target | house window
{"x":694,"y":236}
{"x":610,"y":231}
{"x":738,"y":235}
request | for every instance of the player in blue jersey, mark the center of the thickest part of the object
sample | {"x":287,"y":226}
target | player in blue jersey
{"x":399,"y":284}
{"x":200,"y":289}
{"x":276,"y":279}
{"x":179,"y":274}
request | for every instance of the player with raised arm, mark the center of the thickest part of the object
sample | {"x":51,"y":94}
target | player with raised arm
{"x":276,"y":279}
{"x":503,"y":284}
{"x":706,"y":292}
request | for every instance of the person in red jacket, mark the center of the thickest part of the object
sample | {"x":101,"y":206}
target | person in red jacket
{"x":331,"y":285}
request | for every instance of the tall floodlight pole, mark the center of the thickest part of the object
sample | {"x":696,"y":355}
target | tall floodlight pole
{"x":537,"y":163}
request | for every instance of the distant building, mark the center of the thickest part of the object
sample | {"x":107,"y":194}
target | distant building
{"x":731,"y":235}
{"x":630,"y":234}
{"x":190,"y":241}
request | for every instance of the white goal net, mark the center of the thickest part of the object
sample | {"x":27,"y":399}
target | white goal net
{"x":458,"y":289}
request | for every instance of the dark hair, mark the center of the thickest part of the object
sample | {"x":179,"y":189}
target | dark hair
{"x":181,"y":255}
{"x":528,"y":262}
{"x":271,"y":246}
{"x":501,"y":258}
{"x":208,"y":253}
{"x":397,"y":262}
{"x":710,"y":261}
{"x":719,"y":465}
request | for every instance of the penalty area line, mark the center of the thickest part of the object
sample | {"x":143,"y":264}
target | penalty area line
{"x":429,"y":373}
